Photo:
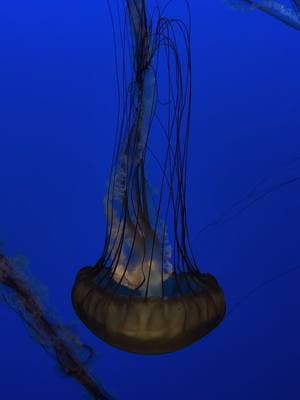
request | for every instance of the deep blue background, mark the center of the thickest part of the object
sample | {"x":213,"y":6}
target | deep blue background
{"x":57,"y":118}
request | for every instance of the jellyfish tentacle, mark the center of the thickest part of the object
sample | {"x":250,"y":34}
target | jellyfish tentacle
{"x":56,"y":339}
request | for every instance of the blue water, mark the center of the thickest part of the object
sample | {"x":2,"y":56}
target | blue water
{"x":57,"y":120}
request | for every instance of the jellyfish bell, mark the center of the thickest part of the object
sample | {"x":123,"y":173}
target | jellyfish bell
{"x":149,"y":325}
{"x":146,"y":294}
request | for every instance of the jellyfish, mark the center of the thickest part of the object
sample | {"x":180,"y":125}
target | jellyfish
{"x":146,"y":294}
{"x":287,"y":12}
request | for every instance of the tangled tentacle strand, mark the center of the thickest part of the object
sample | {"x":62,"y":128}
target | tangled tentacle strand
{"x":57,"y":340}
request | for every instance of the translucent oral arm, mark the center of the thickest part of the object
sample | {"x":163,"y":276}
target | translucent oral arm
{"x":290,"y":15}
{"x":130,"y":165}
{"x":135,"y":246}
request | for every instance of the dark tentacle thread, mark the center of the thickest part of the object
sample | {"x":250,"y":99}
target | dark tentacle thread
{"x":58,"y":341}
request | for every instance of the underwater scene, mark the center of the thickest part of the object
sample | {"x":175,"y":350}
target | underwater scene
{"x":150,"y":199}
